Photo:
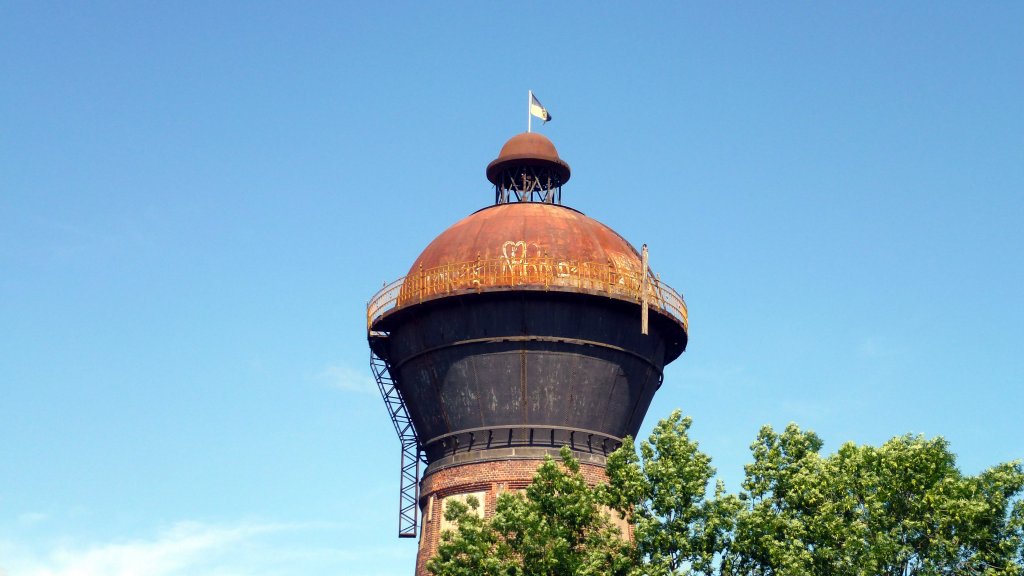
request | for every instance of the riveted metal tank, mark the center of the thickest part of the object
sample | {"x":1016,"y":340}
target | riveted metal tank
{"x":521,"y":325}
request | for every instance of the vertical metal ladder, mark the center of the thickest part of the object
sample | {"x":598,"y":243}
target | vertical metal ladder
{"x":408,"y":505}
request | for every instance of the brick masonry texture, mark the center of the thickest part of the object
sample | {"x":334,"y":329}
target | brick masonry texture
{"x":492,"y":478}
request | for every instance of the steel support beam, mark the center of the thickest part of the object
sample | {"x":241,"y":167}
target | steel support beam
{"x":408,"y":493}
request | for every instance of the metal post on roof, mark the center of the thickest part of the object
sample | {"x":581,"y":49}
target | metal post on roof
{"x":643,"y":291}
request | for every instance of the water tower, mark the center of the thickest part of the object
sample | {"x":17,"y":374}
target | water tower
{"x":524,"y":327}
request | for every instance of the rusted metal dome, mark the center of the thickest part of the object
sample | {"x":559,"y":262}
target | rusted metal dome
{"x":529,"y":231}
{"x":525,"y":245}
{"x":531,"y":150}
{"x":532,"y":246}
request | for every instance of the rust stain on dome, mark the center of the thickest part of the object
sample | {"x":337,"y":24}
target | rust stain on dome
{"x":529,"y":230}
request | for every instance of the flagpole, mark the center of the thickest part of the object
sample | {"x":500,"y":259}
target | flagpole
{"x":529,"y":113}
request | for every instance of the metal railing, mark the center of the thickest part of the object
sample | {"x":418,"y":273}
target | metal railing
{"x":526,"y":273}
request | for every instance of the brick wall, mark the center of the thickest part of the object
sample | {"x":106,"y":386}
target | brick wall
{"x":489,"y":478}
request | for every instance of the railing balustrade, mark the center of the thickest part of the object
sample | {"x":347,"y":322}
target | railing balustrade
{"x":534,"y":273}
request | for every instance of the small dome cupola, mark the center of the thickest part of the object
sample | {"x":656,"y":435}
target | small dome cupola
{"x":528,"y":169}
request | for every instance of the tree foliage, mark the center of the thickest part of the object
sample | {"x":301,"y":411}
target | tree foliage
{"x":899,"y":509}
{"x":663,"y":493}
{"x":557,"y":527}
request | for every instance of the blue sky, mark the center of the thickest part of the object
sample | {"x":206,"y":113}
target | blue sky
{"x":197,"y":200}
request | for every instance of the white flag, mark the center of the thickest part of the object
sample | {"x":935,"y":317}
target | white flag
{"x":537,"y":109}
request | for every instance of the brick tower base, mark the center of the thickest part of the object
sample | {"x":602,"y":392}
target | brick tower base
{"x":485,"y":480}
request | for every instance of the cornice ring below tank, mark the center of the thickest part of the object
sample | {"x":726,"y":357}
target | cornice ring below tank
{"x":479,"y":441}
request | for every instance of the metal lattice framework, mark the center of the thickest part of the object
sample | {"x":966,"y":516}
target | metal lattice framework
{"x":528,"y":184}
{"x":408,"y":508}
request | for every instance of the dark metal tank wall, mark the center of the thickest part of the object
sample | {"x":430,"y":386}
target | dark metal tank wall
{"x":525,"y":358}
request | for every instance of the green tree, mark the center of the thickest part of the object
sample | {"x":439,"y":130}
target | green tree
{"x":475,"y":549}
{"x":663,"y":493}
{"x":902,"y":509}
{"x":925,"y":517}
{"x":557,"y":527}
{"x":777,"y":530}
{"x":899,"y":509}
